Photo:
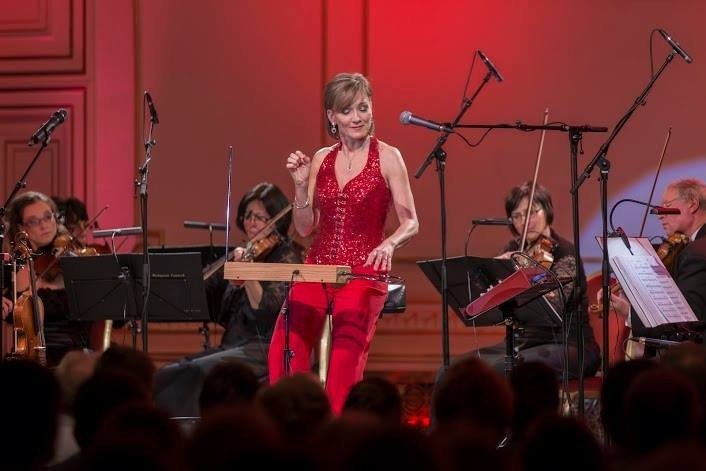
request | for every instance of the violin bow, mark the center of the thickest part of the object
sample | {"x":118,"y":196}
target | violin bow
{"x":534,"y":181}
{"x":654,"y":182}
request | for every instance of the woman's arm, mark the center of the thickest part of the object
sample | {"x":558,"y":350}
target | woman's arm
{"x":394,"y":171}
{"x":303,"y":170}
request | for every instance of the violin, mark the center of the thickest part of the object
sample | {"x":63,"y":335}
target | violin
{"x":670,"y":249}
{"x":28,"y":313}
{"x":64,"y":245}
{"x":257,"y":248}
{"x":542,"y":251}
{"x":614,"y":289}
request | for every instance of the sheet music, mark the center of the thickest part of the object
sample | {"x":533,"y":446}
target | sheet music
{"x":647,"y":284}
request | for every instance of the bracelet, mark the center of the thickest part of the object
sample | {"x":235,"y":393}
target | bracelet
{"x":300,"y":206}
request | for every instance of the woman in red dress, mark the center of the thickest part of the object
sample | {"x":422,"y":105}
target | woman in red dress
{"x":342,"y":196}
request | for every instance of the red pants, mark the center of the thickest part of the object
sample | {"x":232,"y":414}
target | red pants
{"x":355,"y":310}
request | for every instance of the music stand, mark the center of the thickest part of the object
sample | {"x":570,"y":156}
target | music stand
{"x":476,"y":275}
{"x":99,"y":288}
{"x":177,"y":292}
{"x":106,"y":286}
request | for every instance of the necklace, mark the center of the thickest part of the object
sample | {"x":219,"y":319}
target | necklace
{"x":350,"y":156}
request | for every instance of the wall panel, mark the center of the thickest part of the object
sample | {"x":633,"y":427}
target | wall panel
{"x":42,"y":37}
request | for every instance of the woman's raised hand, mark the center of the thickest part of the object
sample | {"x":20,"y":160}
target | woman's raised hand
{"x":299,"y":166}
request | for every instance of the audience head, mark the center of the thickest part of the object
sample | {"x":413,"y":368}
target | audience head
{"x":661,"y":406}
{"x":136,"y":436}
{"x":690,"y":359}
{"x":72,"y":371}
{"x":472,"y":392}
{"x":30,"y":400}
{"x":129,"y":361}
{"x":233,"y":439}
{"x":536,"y":393}
{"x":615,"y":385}
{"x":231,"y":383}
{"x":375,"y":396}
{"x":558,"y":443}
{"x":297,"y":405}
{"x":99,"y":396}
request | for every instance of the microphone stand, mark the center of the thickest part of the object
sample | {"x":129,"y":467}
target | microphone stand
{"x":21,"y":183}
{"x":141,"y":184}
{"x":439,"y":154}
{"x":604,"y":166}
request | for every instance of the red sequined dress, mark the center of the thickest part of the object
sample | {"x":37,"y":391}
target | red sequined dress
{"x":352,"y":218}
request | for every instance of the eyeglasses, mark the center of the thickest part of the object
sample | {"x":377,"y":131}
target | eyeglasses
{"x":668,"y":204}
{"x":35,"y":222}
{"x":520,"y":215}
{"x":256,"y":217}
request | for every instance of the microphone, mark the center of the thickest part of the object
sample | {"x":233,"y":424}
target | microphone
{"x":153,"y":110}
{"x":490,"y":66}
{"x":408,"y":118}
{"x":491,"y":222}
{"x":211,"y":226}
{"x":675,"y":45}
{"x":120,"y":231}
{"x":664,"y":210}
{"x":43,"y":133}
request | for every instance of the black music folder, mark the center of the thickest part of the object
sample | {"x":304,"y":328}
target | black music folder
{"x":469,"y":277}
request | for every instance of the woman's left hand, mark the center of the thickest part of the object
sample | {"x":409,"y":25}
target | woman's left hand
{"x":381,"y":257}
{"x":6,"y":307}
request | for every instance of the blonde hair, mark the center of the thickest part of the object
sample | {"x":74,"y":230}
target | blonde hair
{"x":691,"y":189}
{"x":340,"y":93}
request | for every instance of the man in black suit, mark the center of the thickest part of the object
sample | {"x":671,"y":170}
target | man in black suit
{"x":689,"y":271}
{"x":689,"y":196}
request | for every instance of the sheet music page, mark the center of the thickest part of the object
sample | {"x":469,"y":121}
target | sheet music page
{"x":647,"y":284}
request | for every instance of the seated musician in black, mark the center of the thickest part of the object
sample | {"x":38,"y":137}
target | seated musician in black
{"x":247,"y":311}
{"x":689,"y":265}
{"x":74,"y":217}
{"x":36,"y":214}
{"x":538,"y":343}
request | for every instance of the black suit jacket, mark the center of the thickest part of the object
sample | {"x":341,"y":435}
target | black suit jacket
{"x":690,"y":274}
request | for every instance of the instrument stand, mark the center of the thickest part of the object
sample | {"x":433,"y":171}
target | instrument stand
{"x":604,"y":166}
{"x":439,"y":155}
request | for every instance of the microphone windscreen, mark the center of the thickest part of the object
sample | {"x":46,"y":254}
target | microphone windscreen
{"x":405,"y":117}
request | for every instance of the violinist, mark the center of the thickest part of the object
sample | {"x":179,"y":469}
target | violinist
{"x":689,"y":265}
{"x":544,"y":344}
{"x":247,"y":310}
{"x":36,"y":214}
{"x":74,"y":216}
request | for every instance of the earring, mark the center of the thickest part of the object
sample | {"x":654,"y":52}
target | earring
{"x":334,"y":128}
